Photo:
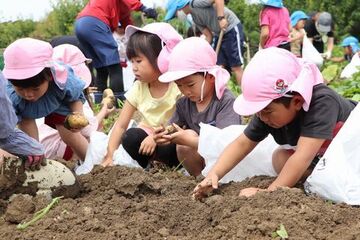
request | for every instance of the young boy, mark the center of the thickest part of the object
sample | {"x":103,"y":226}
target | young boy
{"x":13,"y":140}
{"x":211,"y":17}
{"x":351,"y":47}
{"x":193,"y":67}
{"x":291,"y":103}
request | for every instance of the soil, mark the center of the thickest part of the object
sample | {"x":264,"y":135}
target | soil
{"x":122,"y":203}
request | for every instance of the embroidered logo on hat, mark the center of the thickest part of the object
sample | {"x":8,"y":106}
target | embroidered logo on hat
{"x":280,"y":86}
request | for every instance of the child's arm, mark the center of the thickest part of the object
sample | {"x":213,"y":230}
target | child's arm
{"x":297,"y":164}
{"x":264,"y":35}
{"x":228,"y":159}
{"x":29,"y":126}
{"x":118,"y":130}
{"x":76,"y":106}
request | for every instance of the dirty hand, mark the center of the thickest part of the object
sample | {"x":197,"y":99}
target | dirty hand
{"x":147,"y":146}
{"x":33,"y":162}
{"x":206,"y":186}
{"x":159,"y":133}
{"x":248,"y":192}
{"x":149,"y":12}
{"x":178,"y":135}
{"x":107,"y":161}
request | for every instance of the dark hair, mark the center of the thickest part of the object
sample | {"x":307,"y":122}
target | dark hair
{"x":144,"y":43}
{"x":35,"y":81}
{"x":285,"y":100}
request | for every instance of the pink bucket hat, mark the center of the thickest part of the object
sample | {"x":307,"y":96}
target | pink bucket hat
{"x":271,"y":74}
{"x":194,"y":55}
{"x":168,"y":35}
{"x":72,"y":55}
{"x":26,"y":57}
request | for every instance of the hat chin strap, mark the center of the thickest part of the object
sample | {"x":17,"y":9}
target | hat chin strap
{"x":202,"y":89}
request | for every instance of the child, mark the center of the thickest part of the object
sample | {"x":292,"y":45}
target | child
{"x":351,"y":47}
{"x":41,"y":87}
{"x":148,"y":50}
{"x":294,"y":106}
{"x":275,"y":25}
{"x":297,"y":34}
{"x":55,"y":148}
{"x":206,"y":99}
{"x":13,"y":140}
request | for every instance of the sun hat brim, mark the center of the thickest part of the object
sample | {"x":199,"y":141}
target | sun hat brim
{"x":244,"y":107}
{"x":171,"y":76}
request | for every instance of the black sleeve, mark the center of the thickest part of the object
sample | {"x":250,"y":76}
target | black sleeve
{"x":257,"y":130}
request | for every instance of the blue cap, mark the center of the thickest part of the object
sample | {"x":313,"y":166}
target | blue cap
{"x":297,"y":16}
{"x":172,"y":6}
{"x":272,"y":3}
{"x":352,"y":42}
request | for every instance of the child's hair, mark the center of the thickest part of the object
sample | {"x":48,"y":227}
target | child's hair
{"x":35,"y":81}
{"x":285,"y":100}
{"x":144,"y":43}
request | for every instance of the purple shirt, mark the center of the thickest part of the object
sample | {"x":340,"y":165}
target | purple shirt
{"x":278,"y":20}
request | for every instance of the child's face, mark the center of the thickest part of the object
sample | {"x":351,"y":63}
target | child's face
{"x":32,"y":94}
{"x":347,"y":50}
{"x":300,"y":24}
{"x":190,"y":86}
{"x":277,"y":115}
{"x":143,"y":70}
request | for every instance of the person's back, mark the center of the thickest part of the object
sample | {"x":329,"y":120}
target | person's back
{"x":204,"y":16}
{"x":277,"y":20}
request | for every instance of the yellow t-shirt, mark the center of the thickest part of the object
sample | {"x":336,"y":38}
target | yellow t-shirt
{"x":153,"y":111}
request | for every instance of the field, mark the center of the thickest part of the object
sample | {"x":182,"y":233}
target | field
{"x":123,"y":203}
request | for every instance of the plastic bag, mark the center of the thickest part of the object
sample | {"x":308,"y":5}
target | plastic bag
{"x":97,"y":150}
{"x":310,"y":54}
{"x":351,"y":68}
{"x":337,"y":175}
{"x":212,"y":141}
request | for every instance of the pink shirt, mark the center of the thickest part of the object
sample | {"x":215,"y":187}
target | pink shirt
{"x":278,"y":20}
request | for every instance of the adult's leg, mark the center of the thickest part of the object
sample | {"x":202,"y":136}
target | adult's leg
{"x":102,"y":75}
{"x":116,"y":77}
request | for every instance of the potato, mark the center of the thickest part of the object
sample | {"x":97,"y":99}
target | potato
{"x":109,"y":102}
{"x":170,"y":129}
{"x":76,"y":120}
{"x":108,"y":93}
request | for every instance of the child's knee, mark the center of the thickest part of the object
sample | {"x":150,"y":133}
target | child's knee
{"x":279,"y":158}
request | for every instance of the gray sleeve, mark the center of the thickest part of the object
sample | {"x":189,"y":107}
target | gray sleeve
{"x":19,"y":143}
{"x":226,"y":115}
{"x":201,"y":3}
{"x":178,"y":115}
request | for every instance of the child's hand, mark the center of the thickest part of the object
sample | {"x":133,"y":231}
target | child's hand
{"x":147,"y":146}
{"x":34,"y":162}
{"x":159,"y":133}
{"x":203,"y":189}
{"x":107,"y":161}
{"x":248,"y":192}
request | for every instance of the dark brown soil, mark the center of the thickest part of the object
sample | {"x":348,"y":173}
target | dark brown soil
{"x":122,"y":203}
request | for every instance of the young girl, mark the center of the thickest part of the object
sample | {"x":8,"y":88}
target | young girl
{"x":297,"y":34}
{"x":55,"y":148}
{"x":148,"y":49}
{"x":275,"y":25}
{"x":206,"y":99}
{"x":41,"y":87}
{"x":294,"y":106}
